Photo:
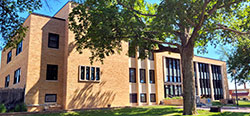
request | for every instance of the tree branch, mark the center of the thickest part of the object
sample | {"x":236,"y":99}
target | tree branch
{"x":161,"y":42}
{"x":223,"y":27}
{"x":132,"y":9}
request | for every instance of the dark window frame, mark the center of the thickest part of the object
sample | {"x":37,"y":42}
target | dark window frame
{"x":92,"y":74}
{"x":7,"y":81}
{"x":151,"y":55}
{"x":9,"y":56}
{"x":45,"y":100}
{"x":153,"y":100}
{"x":131,"y":79}
{"x":151,"y":76}
{"x":143,"y":100}
{"x":51,"y":73}
{"x":51,"y":42}
{"x":97,"y":73}
{"x":132,"y":96}
{"x":142,"y":76}
{"x":82,"y":72}
{"x":19,"y":48}
{"x":17,"y":79}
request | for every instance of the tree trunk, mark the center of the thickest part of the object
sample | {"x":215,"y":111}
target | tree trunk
{"x":189,"y":100}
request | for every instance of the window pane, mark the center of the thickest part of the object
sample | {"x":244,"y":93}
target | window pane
{"x":97,"y":73}
{"x":53,"y":41}
{"x":132,"y":75}
{"x":92,"y":73}
{"x":17,"y":75}
{"x":133,"y":98}
{"x":87,"y":73}
{"x":50,"y":98}
{"x":152,"y":76}
{"x":82,"y":72}
{"x":142,"y":76}
{"x":152,"y":97}
{"x":9,"y":56}
{"x":143,"y":97}
{"x":19,"y":48}
{"x":52,"y":71}
{"x":7,"y":81}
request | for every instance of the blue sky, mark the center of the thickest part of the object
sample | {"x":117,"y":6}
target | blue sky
{"x":55,"y":5}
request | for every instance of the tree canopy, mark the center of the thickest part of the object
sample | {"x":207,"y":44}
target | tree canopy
{"x":11,"y":23}
{"x":181,"y":25}
{"x":239,"y":61}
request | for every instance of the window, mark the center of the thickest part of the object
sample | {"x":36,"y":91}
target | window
{"x":152,"y":97}
{"x":87,"y":73}
{"x":53,"y":41}
{"x":17,"y":75}
{"x":92,"y":73}
{"x":133,"y":98}
{"x":82,"y":72}
{"x":97,"y":74}
{"x":7,"y":81}
{"x":143,"y":97}
{"x":217,"y":82}
{"x":142,"y":76}
{"x":150,"y":55}
{"x":19,"y":48}
{"x":50,"y":97}
{"x":52,"y":71}
{"x":151,"y":76}
{"x":132,"y":75}
{"x":9,"y":56}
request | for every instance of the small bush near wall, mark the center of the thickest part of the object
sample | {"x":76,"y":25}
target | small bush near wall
{"x":174,"y":97}
{"x":2,"y":108}
{"x":20,"y":108}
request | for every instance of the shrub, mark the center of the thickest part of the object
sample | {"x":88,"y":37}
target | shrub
{"x":2,"y":108}
{"x":174,"y":97}
{"x":20,"y":108}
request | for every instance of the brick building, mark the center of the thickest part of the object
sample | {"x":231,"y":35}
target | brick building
{"x":50,"y":69}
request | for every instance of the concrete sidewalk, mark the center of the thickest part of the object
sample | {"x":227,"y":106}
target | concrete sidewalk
{"x":229,"y":109}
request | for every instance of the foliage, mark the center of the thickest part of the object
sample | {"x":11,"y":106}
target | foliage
{"x":173,"y":25}
{"x":174,"y":97}
{"x":239,"y":60}
{"x":2,"y":108}
{"x":20,"y":108}
{"x":11,"y":28}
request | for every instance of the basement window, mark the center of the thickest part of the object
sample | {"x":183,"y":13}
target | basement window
{"x":50,"y":98}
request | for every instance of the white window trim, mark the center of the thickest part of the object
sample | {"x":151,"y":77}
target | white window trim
{"x":84,"y":80}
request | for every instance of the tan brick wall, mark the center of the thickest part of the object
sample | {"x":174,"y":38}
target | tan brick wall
{"x":19,"y":61}
{"x":40,"y":55}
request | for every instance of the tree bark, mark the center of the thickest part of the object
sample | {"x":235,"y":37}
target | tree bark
{"x":189,"y":100}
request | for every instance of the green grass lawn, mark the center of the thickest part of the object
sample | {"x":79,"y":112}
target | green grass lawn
{"x":241,"y":103}
{"x":142,"y":111}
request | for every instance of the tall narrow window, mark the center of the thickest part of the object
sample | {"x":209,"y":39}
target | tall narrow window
{"x":52,"y":72}
{"x":9,"y":56}
{"x":142,"y":76}
{"x":143,"y":97}
{"x":87,"y":73}
{"x":7,"y":81}
{"x":132,"y":75}
{"x":133,"y":98}
{"x":151,"y":76}
{"x":82,"y":72}
{"x":150,"y":55}
{"x":19,"y":48}
{"x":17,"y":76}
{"x":97,"y":73}
{"x":152,"y":97}
{"x":92,"y":73}
{"x":53,"y":41}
